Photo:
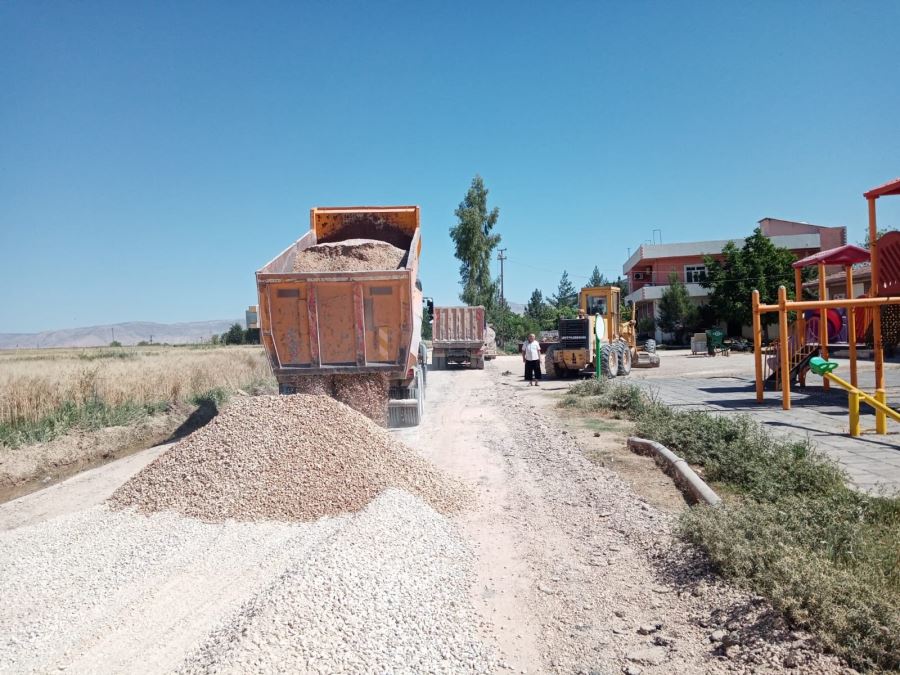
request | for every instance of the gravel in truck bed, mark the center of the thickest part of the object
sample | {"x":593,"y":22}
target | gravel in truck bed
{"x":350,"y":255}
{"x":285,"y":458}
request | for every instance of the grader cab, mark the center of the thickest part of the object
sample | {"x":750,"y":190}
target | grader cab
{"x":598,"y":323}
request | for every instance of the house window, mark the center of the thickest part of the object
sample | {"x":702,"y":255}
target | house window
{"x":694,"y":274}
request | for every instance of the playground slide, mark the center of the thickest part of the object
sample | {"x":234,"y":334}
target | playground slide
{"x":798,"y":368}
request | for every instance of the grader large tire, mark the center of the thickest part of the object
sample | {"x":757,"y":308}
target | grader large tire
{"x":549,"y":365}
{"x":609,"y":361}
{"x":650,"y":346}
{"x":624,"y":359}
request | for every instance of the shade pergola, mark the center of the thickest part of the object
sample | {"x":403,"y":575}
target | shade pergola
{"x":889,"y":188}
{"x":848,"y":254}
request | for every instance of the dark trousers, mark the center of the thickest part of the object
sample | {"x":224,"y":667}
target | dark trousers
{"x":533,"y":370}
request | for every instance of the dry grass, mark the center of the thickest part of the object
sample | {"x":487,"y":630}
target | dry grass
{"x":36,"y":385}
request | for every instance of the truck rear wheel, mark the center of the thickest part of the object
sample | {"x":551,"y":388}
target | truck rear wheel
{"x":478,"y":362}
{"x":609,"y":361}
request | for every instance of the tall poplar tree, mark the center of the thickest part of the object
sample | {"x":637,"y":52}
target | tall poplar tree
{"x":475,"y":243}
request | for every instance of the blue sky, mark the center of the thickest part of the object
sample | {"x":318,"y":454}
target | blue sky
{"x":154,"y":155}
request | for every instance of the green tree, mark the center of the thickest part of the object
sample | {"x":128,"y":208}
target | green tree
{"x":675,"y":308}
{"x":427,"y":318}
{"x":758,"y":264}
{"x":566,"y":293}
{"x":234,"y":335}
{"x":536,"y":308}
{"x":115,"y":343}
{"x":511,"y":328}
{"x":879,"y":233}
{"x":597,"y":279}
{"x":475,"y":244}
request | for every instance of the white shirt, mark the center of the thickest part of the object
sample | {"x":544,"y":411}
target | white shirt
{"x":532,"y":351}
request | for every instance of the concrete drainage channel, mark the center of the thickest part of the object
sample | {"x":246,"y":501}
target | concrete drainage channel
{"x":681,"y":472}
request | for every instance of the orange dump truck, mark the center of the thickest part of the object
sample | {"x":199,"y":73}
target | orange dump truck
{"x":458,"y":337}
{"x":322,"y":324}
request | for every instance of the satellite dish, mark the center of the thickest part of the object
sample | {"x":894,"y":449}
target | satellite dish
{"x":600,"y":327}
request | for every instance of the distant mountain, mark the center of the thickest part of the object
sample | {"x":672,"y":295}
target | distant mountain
{"x":516,"y":307}
{"x":127,"y":333}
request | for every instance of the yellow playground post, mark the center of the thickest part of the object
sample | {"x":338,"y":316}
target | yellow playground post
{"x":824,"y":368}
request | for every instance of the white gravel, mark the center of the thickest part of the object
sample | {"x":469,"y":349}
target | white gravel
{"x":387,"y":593}
{"x":107,"y":591}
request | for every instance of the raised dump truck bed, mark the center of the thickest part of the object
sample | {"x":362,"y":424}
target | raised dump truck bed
{"x":458,"y":337}
{"x":339,"y":323}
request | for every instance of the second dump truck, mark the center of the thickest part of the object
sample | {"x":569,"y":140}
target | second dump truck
{"x":339,"y":324}
{"x":458,"y":337}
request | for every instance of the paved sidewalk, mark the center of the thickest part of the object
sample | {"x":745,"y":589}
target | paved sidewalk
{"x":871,"y":461}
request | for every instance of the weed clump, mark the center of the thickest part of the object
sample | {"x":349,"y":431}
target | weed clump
{"x":596,"y":395}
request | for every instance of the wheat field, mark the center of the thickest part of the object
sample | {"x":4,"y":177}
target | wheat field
{"x":35,"y":383}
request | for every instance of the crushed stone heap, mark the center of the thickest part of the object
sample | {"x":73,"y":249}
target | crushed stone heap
{"x":285,"y":458}
{"x":351,"y":255}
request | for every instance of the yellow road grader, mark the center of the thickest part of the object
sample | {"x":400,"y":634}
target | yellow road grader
{"x":597,"y":341}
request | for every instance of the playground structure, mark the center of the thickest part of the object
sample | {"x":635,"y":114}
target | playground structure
{"x":794,"y":354}
{"x":824,"y":368}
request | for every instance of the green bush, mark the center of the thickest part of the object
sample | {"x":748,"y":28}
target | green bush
{"x":215,"y":396}
{"x":90,"y":416}
{"x":598,"y":395}
{"x":828,"y":567}
{"x":738,"y":451}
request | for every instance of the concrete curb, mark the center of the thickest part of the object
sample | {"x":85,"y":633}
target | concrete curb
{"x":681,"y":472}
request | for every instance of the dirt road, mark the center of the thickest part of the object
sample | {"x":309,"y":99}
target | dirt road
{"x":574,"y":572}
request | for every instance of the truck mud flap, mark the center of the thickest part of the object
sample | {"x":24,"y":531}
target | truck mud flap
{"x":407,"y":404}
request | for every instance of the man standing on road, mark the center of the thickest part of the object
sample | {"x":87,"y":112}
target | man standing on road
{"x":531,"y":355}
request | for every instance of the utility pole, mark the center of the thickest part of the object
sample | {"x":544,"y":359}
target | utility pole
{"x":501,"y":258}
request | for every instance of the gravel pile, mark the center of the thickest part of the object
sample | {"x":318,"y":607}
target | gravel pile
{"x":385,"y":590}
{"x":385,"y":594}
{"x":285,"y":458}
{"x":350,"y":255}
